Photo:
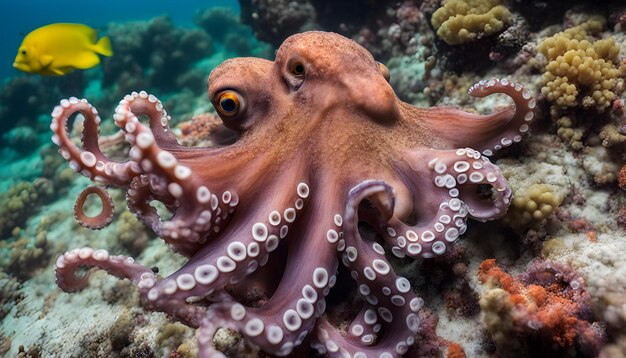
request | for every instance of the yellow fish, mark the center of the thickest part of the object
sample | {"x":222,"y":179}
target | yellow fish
{"x":57,"y":49}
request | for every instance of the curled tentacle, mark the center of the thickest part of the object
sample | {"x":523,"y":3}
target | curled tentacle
{"x":105,"y":216}
{"x":388,"y":323}
{"x":89,"y":161}
{"x":453,"y":180}
{"x":249,"y":245}
{"x":121,"y":266}
{"x":198,"y":211}
{"x":194,"y":220}
{"x":68,"y":264}
{"x":485,"y":133}
{"x":143,"y":103}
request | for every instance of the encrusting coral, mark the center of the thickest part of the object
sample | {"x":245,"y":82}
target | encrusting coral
{"x":581,"y":72}
{"x":462,"y":21}
{"x":311,"y":149}
{"x":543,"y":310}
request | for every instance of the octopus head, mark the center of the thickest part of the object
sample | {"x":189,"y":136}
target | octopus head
{"x":313,"y":73}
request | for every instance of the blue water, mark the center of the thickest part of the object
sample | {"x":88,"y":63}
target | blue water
{"x":18,"y":18}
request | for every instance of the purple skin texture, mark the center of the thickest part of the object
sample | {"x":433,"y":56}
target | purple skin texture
{"x":323,"y":142}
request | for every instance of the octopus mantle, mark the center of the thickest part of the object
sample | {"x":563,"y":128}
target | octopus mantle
{"x":323,"y":144}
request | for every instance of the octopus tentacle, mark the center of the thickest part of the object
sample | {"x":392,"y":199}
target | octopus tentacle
{"x":485,"y":133}
{"x":68,"y":264}
{"x":249,"y":246}
{"x":389,"y":297}
{"x":105,"y":216}
{"x":286,"y":319}
{"x":365,"y":326}
{"x":199,"y":212}
{"x":90,"y":161}
{"x":193,"y":222}
{"x":454,"y":177}
{"x":142,"y":103}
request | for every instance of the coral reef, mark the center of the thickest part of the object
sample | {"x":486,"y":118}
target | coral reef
{"x":561,"y":241}
{"x":546,"y":309}
{"x":581,"y":73}
{"x":146,"y":53}
{"x":19,"y":203}
{"x":239,"y":39}
{"x":207,"y":130}
{"x":132,"y":235}
{"x":538,"y":189}
{"x":212,"y":210}
{"x":9,"y":295}
{"x":22,"y":99}
{"x":461,"y":21}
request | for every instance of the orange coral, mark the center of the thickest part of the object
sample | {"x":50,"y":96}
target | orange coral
{"x":549,"y":300}
{"x":455,"y":351}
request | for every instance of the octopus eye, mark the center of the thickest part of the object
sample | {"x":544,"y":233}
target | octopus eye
{"x":384,"y":71}
{"x":228,"y":103}
{"x":297,"y":69}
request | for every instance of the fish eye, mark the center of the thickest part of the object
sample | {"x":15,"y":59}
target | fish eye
{"x":23,"y":52}
{"x":229,"y":103}
{"x":297,"y":68}
{"x":384,"y":71}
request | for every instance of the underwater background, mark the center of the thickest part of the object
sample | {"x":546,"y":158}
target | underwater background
{"x":549,"y":278}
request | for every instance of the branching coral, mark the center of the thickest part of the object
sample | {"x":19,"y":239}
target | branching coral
{"x":461,"y":21}
{"x":581,"y":72}
{"x":546,"y":304}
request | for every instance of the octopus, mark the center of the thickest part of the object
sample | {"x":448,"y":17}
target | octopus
{"x":271,"y":222}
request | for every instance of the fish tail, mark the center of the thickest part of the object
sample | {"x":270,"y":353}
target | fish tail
{"x":103,"y":46}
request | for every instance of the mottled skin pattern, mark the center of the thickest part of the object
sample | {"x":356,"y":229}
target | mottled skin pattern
{"x":323,"y":144}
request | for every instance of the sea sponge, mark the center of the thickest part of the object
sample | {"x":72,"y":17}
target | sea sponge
{"x":461,"y":21}
{"x":581,"y":72}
